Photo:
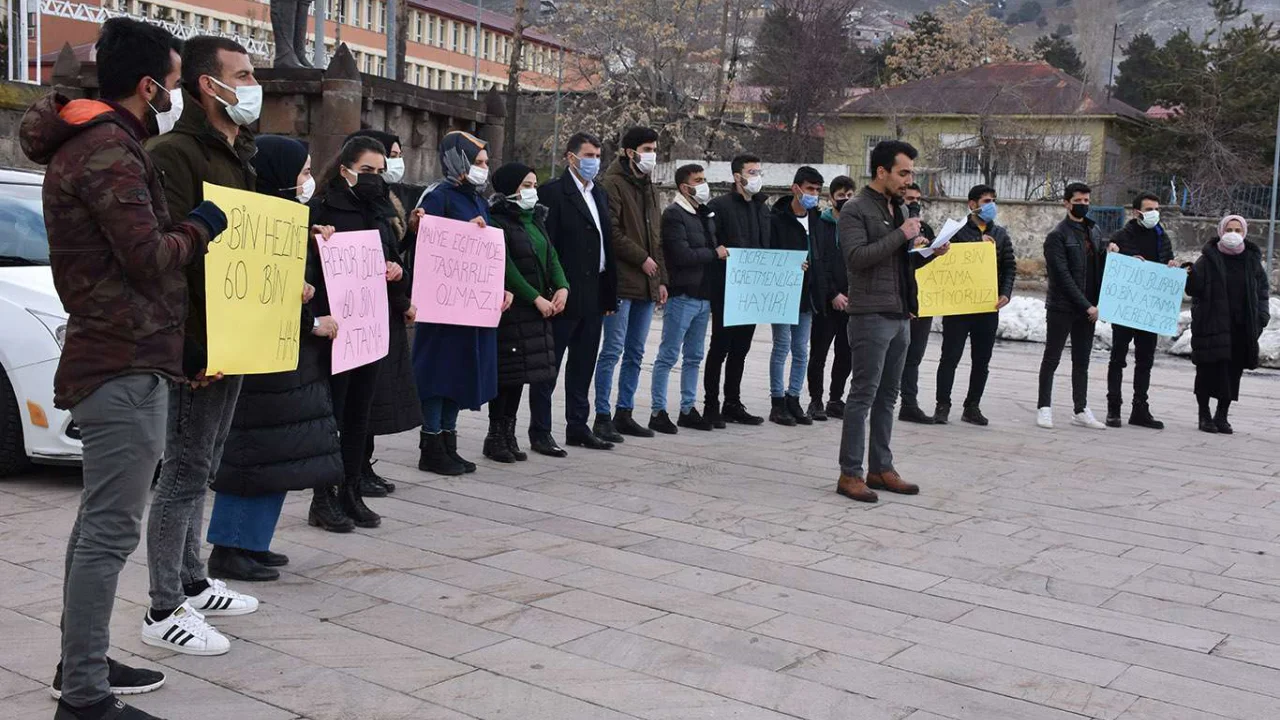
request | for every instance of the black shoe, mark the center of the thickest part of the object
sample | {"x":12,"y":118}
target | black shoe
{"x":736,"y":412}
{"x":327,"y":514}
{"x":942,"y":414}
{"x":1114,"y":421}
{"x":627,"y":425}
{"x":661,"y":422}
{"x":123,"y":679}
{"x":1224,"y":427}
{"x":495,"y":443}
{"x":1209,"y":426}
{"x":108,"y":708}
{"x":451,"y":449}
{"x":712,"y":414}
{"x":973,"y":415}
{"x":792,"y":404}
{"x":818,"y":411}
{"x":605,"y":430}
{"x":513,"y":445}
{"x":367,"y":473}
{"x":266,"y":558}
{"x":913,"y":414}
{"x":780,"y":415}
{"x":585,"y":438}
{"x":227,"y":563}
{"x":372,"y":488}
{"x":434,"y":459}
{"x":835,"y":409}
{"x":694,"y":421}
{"x":353,"y":505}
{"x":1141,"y":417}
{"x":545,"y":444}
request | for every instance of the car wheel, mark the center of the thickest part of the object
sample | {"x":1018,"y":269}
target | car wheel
{"x":13,"y":453}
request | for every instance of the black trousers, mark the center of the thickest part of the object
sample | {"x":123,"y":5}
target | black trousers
{"x":920,"y":329}
{"x":1144,"y":351}
{"x":980,"y":331}
{"x":507,"y":403}
{"x":729,"y":347}
{"x":352,"y":405}
{"x":1078,"y":327}
{"x":829,"y":328}
{"x":580,"y":338}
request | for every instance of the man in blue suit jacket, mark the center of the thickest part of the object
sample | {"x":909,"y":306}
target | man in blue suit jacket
{"x":578,"y":223}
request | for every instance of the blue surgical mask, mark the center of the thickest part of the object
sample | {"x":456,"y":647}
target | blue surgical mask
{"x":809,"y":202}
{"x":987,"y":213}
{"x":588,"y":168}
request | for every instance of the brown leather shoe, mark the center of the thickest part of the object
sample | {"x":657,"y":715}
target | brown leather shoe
{"x":854,"y":488}
{"x":891,"y":481}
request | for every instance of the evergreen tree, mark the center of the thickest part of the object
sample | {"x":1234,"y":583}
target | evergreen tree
{"x":1060,"y":53}
{"x":1138,"y":72}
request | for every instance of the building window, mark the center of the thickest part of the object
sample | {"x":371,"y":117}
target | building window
{"x":380,"y":17}
{"x":417,"y":27}
{"x":453,"y":36}
{"x":961,"y":161}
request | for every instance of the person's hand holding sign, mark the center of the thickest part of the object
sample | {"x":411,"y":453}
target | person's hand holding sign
{"x":308,"y":291}
{"x":479,"y":222}
{"x":324,"y":231}
{"x":394,"y":272}
{"x":722,"y":252}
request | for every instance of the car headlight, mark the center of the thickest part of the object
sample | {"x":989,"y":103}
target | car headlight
{"x":57,"y":326}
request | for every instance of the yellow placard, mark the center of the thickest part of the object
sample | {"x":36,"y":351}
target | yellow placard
{"x":962,"y":282}
{"x":253,"y":278}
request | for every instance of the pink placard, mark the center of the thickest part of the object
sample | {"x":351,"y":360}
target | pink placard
{"x":458,"y":273}
{"x":355,"y":274}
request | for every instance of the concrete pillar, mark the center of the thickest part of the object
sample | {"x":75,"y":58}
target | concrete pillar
{"x":340,"y":107}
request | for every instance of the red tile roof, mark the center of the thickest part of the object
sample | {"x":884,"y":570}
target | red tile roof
{"x":1016,"y":88}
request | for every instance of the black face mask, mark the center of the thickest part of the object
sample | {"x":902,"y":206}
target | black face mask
{"x":840,"y":204}
{"x":1080,"y":211}
{"x":369,"y":186}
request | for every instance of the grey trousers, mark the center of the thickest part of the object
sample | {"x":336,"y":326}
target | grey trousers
{"x":199,"y":421}
{"x":123,"y":428}
{"x":878,"y":351}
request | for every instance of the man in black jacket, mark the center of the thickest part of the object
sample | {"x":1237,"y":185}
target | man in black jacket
{"x":1144,"y":238}
{"x":980,"y":328}
{"x":795,"y":217}
{"x":742,"y":220}
{"x":830,"y":298}
{"x":578,"y":226}
{"x":689,"y":246}
{"x":920,"y":327}
{"x":1075,"y":257}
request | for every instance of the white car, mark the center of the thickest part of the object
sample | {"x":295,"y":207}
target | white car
{"x":33,"y":326}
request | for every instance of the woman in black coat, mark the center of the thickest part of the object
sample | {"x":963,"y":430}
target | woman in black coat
{"x":283,"y":436}
{"x":1229,"y":309}
{"x":353,"y":197}
{"x":526,"y":345}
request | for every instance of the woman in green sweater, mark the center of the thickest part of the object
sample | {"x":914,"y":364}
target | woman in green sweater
{"x":526,"y":344}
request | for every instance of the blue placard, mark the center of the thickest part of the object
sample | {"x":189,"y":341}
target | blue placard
{"x":763,"y":286}
{"x":1142,"y":295}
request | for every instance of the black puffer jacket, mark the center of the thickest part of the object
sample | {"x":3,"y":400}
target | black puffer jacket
{"x":689,"y":244}
{"x":786,"y":233}
{"x":740,"y":223}
{"x":830,"y":276}
{"x":1151,"y":244}
{"x":526,"y":344}
{"x":1211,"y":320}
{"x":1075,"y":256}
{"x":283,"y":436}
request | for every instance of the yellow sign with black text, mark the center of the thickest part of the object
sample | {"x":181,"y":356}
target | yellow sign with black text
{"x":962,"y":282}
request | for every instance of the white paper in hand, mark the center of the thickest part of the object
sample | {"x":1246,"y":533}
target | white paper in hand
{"x":949,"y":230}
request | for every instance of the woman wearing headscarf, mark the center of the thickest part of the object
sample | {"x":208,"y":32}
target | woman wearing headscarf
{"x":455,"y":365}
{"x":395,"y":399}
{"x":526,"y":344}
{"x":283,"y":435}
{"x":353,"y":197}
{"x":1229,"y":308}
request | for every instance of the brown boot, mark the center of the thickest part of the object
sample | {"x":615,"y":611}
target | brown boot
{"x":854,"y":488}
{"x":891,"y":481}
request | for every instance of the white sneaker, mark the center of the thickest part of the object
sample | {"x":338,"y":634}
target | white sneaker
{"x":184,"y":631}
{"x":219,"y":600}
{"x":1044,"y":418}
{"x":1086,"y":419}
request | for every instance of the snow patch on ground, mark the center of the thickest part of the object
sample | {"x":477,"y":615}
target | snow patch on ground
{"x":1268,"y":344}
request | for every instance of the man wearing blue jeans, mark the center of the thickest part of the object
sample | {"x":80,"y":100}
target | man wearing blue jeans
{"x":793,"y":221}
{"x":689,"y":241}
{"x":635,"y":224}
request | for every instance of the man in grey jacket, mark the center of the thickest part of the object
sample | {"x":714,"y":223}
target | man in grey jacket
{"x":876,"y":240}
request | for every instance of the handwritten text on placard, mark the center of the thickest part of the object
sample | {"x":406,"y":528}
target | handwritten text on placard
{"x":458,"y":273}
{"x":763,"y":286}
{"x":1142,"y":295}
{"x":355,"y":275}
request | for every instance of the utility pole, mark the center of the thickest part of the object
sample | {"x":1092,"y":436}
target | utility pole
{"x":475,"y":74}
{"x":393,"y":62}
{"x":1111,"y":71}
{"x":1275,"y":184}
{"x":317,"y":49}
{"x":555,"y":137}
{"x":513,"y":81}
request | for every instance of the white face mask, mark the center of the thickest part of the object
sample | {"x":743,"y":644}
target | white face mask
{"x":754,"y":183}
{"x":478,"y":176}
{"x":306,"y":190}
{"x":527,"y":198}
{"x":1150,"y":219}
{"x":395,"y":170}
{"x":166,"y":120}
{"x":646,"y":162}
{"x":248,"y":103}
{"x":702,"y":193}
{"x":1232,"y":239}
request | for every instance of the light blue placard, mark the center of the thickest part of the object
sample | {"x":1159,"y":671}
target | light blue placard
{"x":1142,"y":295}
{"x":763,"y":286}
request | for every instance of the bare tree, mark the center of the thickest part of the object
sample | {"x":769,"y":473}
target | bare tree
{"x":513,"y":79}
